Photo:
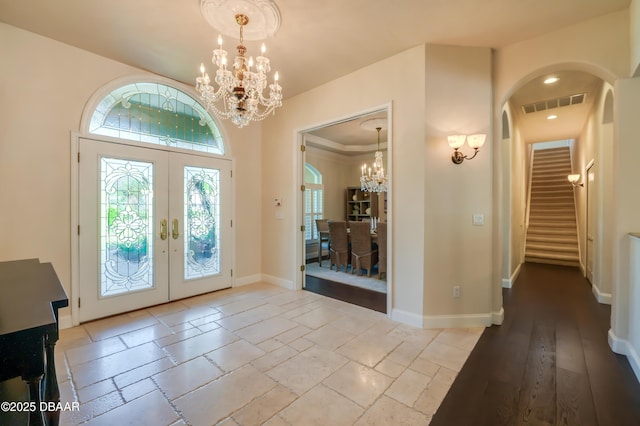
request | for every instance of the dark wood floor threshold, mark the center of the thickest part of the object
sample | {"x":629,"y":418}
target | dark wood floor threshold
{"x":347,"y":293}
{"x":549,"y":363}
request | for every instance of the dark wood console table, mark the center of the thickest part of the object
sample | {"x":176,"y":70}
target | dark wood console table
{"x":30,"y":296}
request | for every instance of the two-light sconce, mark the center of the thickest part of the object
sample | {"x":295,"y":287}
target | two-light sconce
{"x":574,"y":180}
{"x":456,"y":141}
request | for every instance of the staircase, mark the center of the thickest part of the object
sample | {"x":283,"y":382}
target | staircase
{"x":552,"y":233}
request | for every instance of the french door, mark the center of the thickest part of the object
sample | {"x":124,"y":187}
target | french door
{"x":155,"y":226}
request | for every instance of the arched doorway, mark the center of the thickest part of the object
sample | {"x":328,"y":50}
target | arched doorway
{"x":572,"y":106}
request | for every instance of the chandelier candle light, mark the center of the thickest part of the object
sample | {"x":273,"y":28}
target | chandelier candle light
{"x":373,"y":178}
{"x":240,"y":89}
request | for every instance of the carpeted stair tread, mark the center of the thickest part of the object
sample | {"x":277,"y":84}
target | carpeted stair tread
{"x":550,"y":239}
{"x":552,"y":232}
{"x":551,"y":261}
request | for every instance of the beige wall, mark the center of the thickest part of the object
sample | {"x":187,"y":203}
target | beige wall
{"x":45,"y":86}
{"x":626,"y":204}
{"x":595,"y":145}
{"x":519,"y":192}
{"x":634,"y":304}
{"x":599,"y":46}
{"x":606,"y":185}
{"x":624,"y":336}
{"x":336,"y":176}
{"x":634,"y":29}
{"x":458,"y":100}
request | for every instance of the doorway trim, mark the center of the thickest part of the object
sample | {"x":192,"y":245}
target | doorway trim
{"x":75,"y":136}
{"x":299,"y":155}
{"x":588,"y":186}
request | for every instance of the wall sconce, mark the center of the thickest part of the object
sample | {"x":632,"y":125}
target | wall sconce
{"x":574,"y":180}
{"x":456,"y":141}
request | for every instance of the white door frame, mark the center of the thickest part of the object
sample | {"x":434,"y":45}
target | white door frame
{"x":74,"y":297}
{"x":589,"y":187}
{"x":298,"y":140}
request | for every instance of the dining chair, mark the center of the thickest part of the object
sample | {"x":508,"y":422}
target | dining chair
{"x":339,"y":248}
{"x":365,"y":257}
{"x":322,"y":226}
{"x":381,"y":232}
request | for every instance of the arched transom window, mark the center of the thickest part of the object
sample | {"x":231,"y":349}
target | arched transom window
{"x":158,"y":114}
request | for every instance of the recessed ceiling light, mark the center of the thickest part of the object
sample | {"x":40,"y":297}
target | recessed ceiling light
{"x":551,"y":80}
{"x":552,"y":117}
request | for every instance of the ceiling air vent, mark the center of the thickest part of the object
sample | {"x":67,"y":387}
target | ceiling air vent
{"x":554,"y":103}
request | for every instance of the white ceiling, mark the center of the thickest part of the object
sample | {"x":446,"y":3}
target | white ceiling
{"x":317,"y":42}
{"x":348,"y":137}
{"x":570,"y":119}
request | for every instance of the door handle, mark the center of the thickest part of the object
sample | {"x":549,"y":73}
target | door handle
{"x":163,"y":229}
{"x":174,"y":229}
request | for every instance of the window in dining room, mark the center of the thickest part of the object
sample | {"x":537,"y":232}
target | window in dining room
{"x":313,"y":201}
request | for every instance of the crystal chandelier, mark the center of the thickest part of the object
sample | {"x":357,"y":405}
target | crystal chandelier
{"x":239,"y":93}
{"x":373,"y":178}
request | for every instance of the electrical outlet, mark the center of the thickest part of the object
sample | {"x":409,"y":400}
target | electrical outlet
{"x":456,"y":291}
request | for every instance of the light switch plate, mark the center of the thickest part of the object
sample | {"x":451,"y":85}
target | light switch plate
{"x":478,"y":219}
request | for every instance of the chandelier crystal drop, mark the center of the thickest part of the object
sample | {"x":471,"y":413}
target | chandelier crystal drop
{"x":240,"y":86}
{"x":373,"y":178}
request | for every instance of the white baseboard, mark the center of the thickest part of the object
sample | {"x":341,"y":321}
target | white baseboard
{"x":497,"y":317}
{"x":634,"y":360}
{"x":408,"y":318}
{"x":624,"y":347}
{"x":605,"y":298}
{"x":508,"y":283}
{"x":249,"y":279}
{"x":458,"y":321}
{"x":64,"y":321}
{"x":288,"y":284}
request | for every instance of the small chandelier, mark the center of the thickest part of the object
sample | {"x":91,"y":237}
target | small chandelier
{"x":239,"y":91}
{"x":373,"y":178}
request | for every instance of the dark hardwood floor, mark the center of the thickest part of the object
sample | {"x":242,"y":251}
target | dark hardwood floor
{"x":358,"y":296}
{"x":549,"y":363}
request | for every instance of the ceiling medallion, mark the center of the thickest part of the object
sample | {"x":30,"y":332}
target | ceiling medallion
{"x":264,"y":14}
{"x":236,"y":92}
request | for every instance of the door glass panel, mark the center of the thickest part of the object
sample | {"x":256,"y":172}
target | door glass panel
{"x":202,"y":220}
{"x":126,"y":231}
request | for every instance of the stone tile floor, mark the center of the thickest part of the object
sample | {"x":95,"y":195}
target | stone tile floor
{"x":257,"y":354}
